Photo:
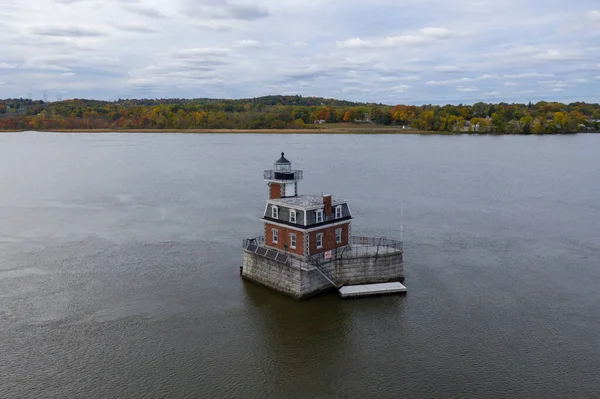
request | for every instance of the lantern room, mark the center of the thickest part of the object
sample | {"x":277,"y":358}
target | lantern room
{"x":282,"y":179}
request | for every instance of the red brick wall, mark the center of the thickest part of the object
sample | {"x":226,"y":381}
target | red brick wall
{"x":274,"y":191}
{"x":328,"y":238}
{"x":284,"y":238}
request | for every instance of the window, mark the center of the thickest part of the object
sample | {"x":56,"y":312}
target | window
{"x":292,"y":216}
{"x":338,"y":236}
{"x":275,"y":236}
{"x":292,"y":241}
{"x":320,"y":240}
{"x":319,"y":216}
{"x":275,"y":212}
{"x":338,"y":212}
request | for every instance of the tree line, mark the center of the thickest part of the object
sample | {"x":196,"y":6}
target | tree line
{"x":282,"y":112}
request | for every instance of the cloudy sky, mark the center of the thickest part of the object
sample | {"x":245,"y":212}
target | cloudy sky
{"x":389,"y":51}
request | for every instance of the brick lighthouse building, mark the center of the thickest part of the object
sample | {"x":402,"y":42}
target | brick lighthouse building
{"x":308,"y":246}
{"x":305,"y":226}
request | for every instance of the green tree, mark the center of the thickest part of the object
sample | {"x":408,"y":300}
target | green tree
{"x":498,"y":123}
{"x":526,"y":123}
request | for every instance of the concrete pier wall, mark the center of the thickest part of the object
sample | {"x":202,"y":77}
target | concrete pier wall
{"x":302,"y":280}
{"x":369,"y":269}
{"x":276,"y":275}
{"x":313,"y":283}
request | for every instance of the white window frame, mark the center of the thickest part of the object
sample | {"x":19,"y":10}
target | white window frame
{"x":319,"y":238}
{"x":275,"y":212}
{"x":293,"y":216}
{"x":319,"y":212}
{"x":338,"y":235}
{"x":292,"y":240}
{"x":338,"y":212}
{"x":275,"y":236}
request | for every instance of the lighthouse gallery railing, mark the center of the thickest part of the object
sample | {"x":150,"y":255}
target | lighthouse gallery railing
{"x":291,"y":175}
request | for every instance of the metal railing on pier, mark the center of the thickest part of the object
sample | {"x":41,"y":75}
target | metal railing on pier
{"x":358,"y":247}
{"x":380,"y":242}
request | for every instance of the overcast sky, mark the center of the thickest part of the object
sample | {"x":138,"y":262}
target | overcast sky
{"x":390,"y":51}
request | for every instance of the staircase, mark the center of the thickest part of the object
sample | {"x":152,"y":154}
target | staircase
{"x":326,"y":273}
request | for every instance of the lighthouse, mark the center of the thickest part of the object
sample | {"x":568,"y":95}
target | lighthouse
{"x":307,"y":246}
{"x":304,"y":226}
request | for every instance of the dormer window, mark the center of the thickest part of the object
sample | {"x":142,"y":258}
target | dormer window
{"x":275,"y":212}
{"x":319,"y":216}
{"x":338,"y":212}
{"x":292,"y":216}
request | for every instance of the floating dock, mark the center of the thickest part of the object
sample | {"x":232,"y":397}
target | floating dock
{"x":372,"y":289}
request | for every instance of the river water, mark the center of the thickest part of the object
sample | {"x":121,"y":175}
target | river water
{"x":120,"y":256}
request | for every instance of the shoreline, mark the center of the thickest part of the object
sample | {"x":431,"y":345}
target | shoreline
{"x":239,"y":131}
{"x":356,"y":131}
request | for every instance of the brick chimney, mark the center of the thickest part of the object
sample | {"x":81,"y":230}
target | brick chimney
{"x":327,"y":203}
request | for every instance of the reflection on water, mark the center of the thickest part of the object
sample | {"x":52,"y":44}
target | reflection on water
{"x":310,"y":344}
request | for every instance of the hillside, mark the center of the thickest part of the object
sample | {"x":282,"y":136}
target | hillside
{"x":295,"y":112}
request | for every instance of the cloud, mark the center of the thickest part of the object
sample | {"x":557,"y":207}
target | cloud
{"x":488,"y":76}
{"x":466,"y":89}
{"x":400,"y":88}
{"x":450,"y":68}
{"x":559,"y":55}
{"x":247,"y":48}
{"x":145,"y":11}
{"x":492,"y":93}
{"x":135,"y":27}
{"x":225,"y":9}
{"x":423,"y":36}
{"x":244,"y":12}
{"x":247,"y":43}
{"x":525,"y":54}
{"x":189,"y":65}
{"x":529,"y":75}
{"x":222,"y":26}
{"x":555,"y":84}
{"x":4,"y":65}
{"x":65,"y":31}
{"x":594,"y":15}
{"x":307,"y":75}
{"x":447,"y":82}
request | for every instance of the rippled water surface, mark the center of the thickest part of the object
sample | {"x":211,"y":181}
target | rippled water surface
{"x":120,"y":255}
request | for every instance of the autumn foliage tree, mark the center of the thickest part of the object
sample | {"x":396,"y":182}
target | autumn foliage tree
{"x":281,"y":112}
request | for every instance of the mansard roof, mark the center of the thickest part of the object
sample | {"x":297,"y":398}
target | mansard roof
{"x":305,"y":202}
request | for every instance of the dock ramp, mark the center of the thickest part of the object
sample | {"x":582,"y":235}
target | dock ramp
{"x":350,"y":291}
